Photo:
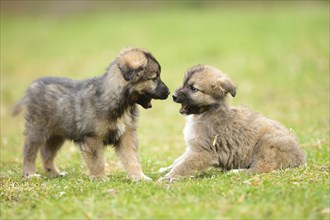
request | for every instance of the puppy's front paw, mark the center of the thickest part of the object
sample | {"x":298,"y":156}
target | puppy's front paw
{"x":164,"y":169}
{"x":63,"y":173}
{"x":146,"y":178}
{"x":32,"y":176}
{"x":99,"y":178}
{"x":169,"y":178}
{"x":139,"y":178}
{"x":166,"y":180}
{"x":57,"y":174}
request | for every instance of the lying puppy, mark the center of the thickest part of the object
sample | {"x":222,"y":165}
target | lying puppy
{"x":93,"y":113}
{"x":228,"y":137}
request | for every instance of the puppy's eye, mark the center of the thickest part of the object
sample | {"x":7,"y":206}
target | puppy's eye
{"x":193,"y":89}
{"x":141,"y":68}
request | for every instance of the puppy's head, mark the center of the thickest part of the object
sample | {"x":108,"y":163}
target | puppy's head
{"x":142,"y":73}
{"x":203,"y":87}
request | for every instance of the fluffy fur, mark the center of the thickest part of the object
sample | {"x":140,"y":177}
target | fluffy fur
{"x":219,"y":135}
{"x":93,"y":113}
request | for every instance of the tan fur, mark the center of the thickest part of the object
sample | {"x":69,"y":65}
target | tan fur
{"x":133,"y":58}
{"x":228,"y":137}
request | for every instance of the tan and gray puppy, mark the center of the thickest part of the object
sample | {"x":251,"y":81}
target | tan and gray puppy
{"x":228,"y":137}
{"x":93,"y":113}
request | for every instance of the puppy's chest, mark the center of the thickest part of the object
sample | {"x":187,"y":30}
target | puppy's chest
{"x":190,"y":129}
{"x":113,"y":130}
{"x":202,"y":131}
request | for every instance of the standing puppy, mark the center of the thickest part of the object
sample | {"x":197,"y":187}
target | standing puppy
{"x":228,"y":137}
{"x":93,"y":113}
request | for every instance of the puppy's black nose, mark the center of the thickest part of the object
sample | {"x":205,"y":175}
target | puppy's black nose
{"x":174,"y":97}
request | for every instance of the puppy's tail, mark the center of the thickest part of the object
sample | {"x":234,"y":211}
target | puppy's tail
{"x":18,"y":108}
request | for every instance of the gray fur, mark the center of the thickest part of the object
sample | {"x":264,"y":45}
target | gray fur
{"x":93,"y":113}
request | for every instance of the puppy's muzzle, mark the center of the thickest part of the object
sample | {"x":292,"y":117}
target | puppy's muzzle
{"x":178,"y":97}
{"x":175,"y":97}
{"x":162,"y":91}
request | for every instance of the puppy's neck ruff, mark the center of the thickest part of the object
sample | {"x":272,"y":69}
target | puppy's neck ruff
{"x":113,"y":99}
{"x":113,"y":79}
{"x":189,"y":130}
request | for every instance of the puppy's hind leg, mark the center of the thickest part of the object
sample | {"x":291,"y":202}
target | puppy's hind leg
{"x":277,"y":152}
{"x":33,"y":142}
{"x":48,"y":153}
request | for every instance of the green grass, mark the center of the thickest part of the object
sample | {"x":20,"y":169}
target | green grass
{"x":278,"y":56}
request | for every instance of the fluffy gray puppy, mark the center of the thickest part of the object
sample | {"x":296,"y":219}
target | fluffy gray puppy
{"x":93,"y":113}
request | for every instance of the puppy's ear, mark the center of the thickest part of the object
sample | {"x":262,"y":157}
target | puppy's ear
{"x":224,"y":85}
{"x":131,"y":62}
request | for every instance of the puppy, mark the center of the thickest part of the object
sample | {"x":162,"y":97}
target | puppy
{"x":93,"y":113}
{"x":228,"y":137}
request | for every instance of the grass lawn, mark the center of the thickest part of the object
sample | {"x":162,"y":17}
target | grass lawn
{"x":278,"y":55}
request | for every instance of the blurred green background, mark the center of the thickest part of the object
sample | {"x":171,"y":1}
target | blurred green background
{"x":277,"y":53}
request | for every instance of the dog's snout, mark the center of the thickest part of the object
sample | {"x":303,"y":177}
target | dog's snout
{"x":167,"y":91}
{"x":175,"y":97}
{"x":161,"y":91}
